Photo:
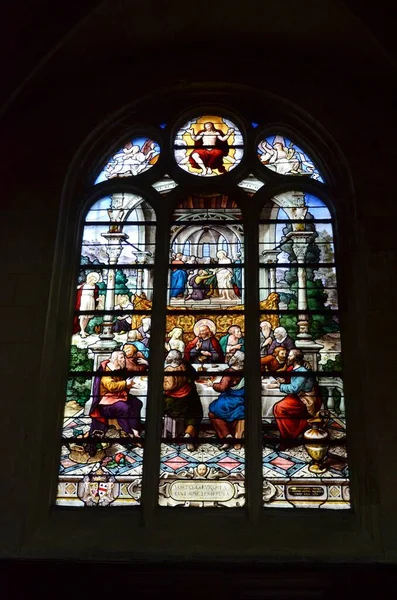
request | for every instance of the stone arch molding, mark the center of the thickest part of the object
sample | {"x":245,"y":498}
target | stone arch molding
{"x":131,"y":196}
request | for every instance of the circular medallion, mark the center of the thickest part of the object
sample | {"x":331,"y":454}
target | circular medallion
{"x":208,"y":146}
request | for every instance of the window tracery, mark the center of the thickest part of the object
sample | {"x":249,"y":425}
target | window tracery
{"x":206,"y":384}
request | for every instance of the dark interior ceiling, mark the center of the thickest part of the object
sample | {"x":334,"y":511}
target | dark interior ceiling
{"x":35,"y":29}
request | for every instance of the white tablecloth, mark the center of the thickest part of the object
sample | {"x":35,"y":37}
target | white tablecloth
{"x":270,"y":396}
{"x":140,"y":390}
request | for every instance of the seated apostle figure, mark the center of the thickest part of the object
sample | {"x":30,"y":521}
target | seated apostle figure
{"x":274,"y":362}
{"x":302,"y":399}
{"x":227,"y":412}
{"x":111,"y":399}
{"x":181,"y":399}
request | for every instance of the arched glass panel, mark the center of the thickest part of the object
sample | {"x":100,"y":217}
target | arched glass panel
{"x":202,"y":451}
{"x":135,"y":157}
{"x":279,"y":154}
{"x":205,"y":389}
{"x":303,"y":411}
{"x":187,"y":248}
{"x":105,"y":410}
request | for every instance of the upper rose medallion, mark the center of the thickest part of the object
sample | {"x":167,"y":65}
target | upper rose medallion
{"x":208,"y":145}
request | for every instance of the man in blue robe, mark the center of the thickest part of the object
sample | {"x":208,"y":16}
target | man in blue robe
{"x":227,"y":412}
{"x":178,"y":278}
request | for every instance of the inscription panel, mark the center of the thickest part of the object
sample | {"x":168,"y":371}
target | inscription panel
{"x":219,"y":491}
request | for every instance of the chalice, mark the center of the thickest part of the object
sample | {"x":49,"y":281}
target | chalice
{"x":201,"y":359}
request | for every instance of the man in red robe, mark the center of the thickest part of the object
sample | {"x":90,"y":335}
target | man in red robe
{"x":205,"y":348}
{"x":302,"y":401}
{"x":209,"y":149}
{"x":274,"y":362}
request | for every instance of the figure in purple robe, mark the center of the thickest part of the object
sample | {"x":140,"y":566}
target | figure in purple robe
{"x":111,"y":399}
{"x":281,"y":338}
{"x":200,"y":285}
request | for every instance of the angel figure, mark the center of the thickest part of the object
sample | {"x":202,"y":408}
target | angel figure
{"x":280,"y":158}
{"x":132,"y":160}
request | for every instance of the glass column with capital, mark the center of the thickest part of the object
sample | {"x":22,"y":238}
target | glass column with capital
{"x":300,"y":360}
{"x":105,"y":411}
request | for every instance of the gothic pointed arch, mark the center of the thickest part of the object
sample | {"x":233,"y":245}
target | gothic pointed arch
{"x":206,"y":299}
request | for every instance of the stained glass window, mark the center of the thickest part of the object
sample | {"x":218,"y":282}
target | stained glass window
{"x":191,"y":226}
{"x":104,"y":417}
{"x":303,"y":411}
{"x":202,"y":454}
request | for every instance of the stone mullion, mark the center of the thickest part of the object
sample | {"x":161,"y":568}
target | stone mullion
{"x":151,"y":462}
{"x":253,"y":428}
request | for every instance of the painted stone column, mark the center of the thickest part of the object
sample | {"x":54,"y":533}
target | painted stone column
{"x":106,"y":337}
{"x":106,"y":343}
{"x":330,"y":401}
{"x":113,"y":251}
{"x":300,"y":242}
{"x":141,"y":259}
{"x":270,"y":258}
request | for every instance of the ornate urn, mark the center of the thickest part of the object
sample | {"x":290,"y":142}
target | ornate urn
{"x":316,"y":441}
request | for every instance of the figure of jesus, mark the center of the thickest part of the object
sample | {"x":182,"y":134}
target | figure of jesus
{"x":210,"y":149}
{"x":224,"y":276}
